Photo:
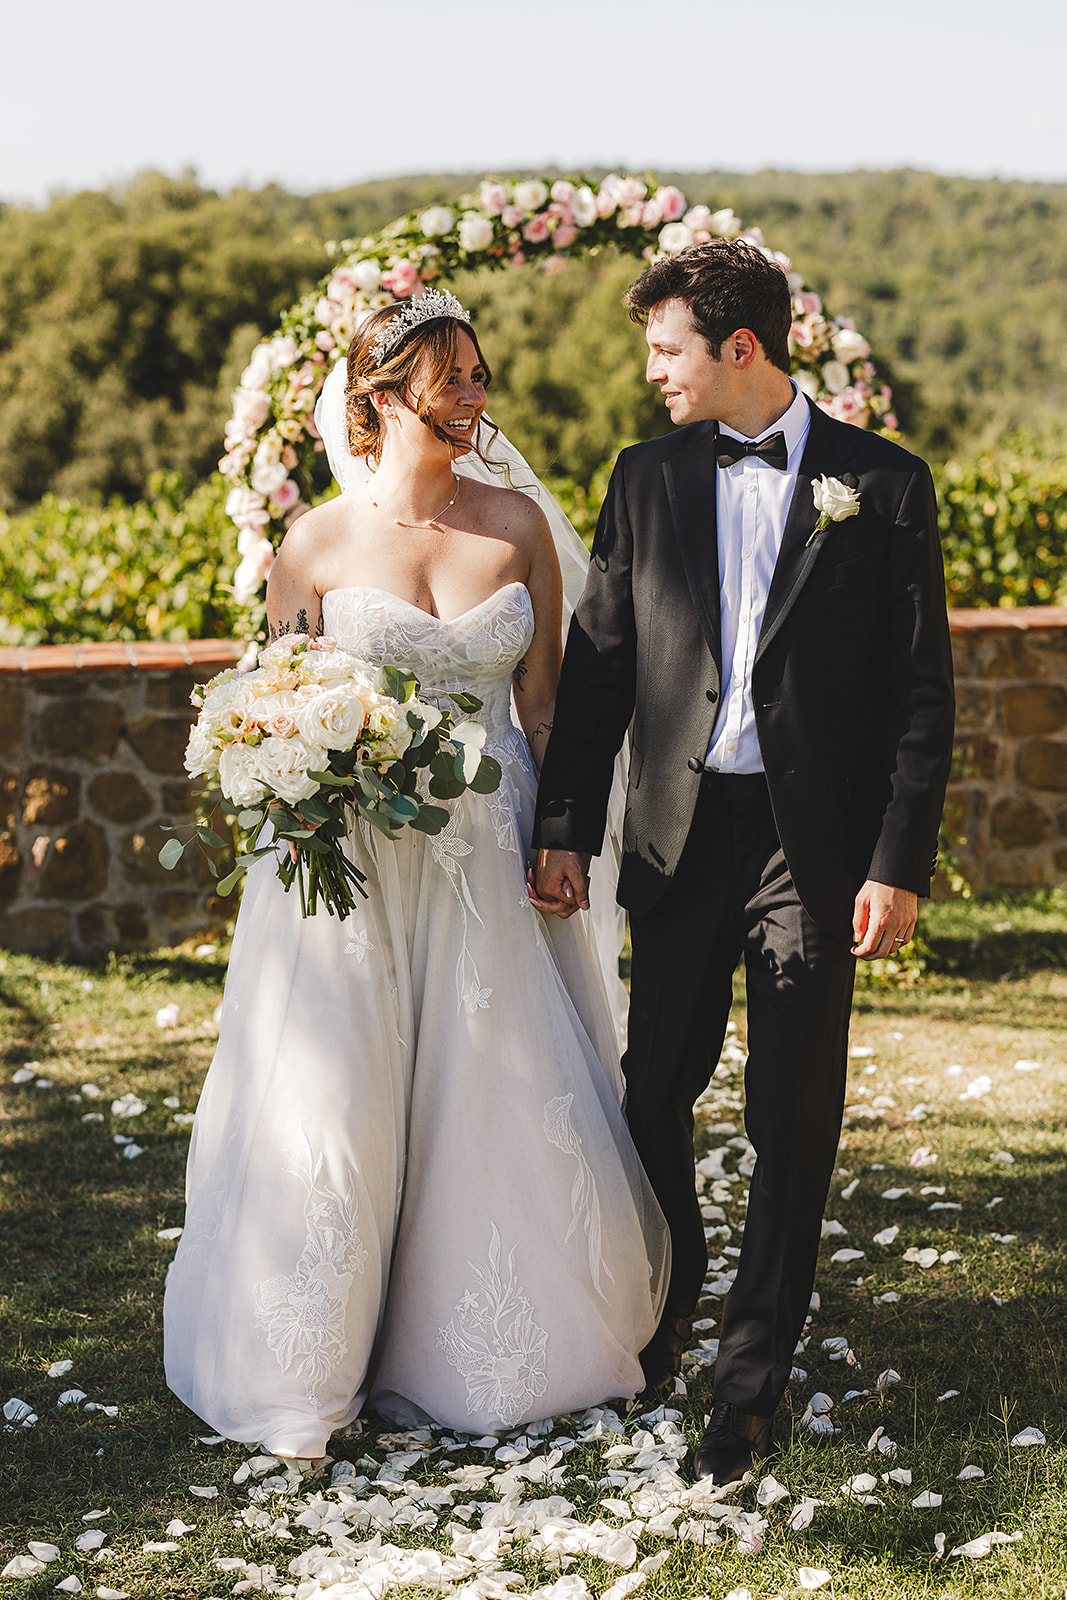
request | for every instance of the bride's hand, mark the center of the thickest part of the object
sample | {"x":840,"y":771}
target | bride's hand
{"x":560,"y":885}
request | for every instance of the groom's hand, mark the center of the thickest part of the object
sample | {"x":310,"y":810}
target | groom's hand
{"x":560,"y":885}
{"x":883,"y":920}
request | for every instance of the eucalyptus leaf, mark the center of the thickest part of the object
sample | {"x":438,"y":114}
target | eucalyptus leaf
{"x":171,"y":854}
{"x":398,"y":685}
{"x":466,"y":702}
{"x":210,"y":837}
{"x":487,"y":778}
{"x":449,"y":788}
{"x":431,"y":819}
{"x":249,"y":819}
{"x":402,"y":808}
{"x":372,"y":815}
{"x":332,"y":778}
{"x":225,"y":885}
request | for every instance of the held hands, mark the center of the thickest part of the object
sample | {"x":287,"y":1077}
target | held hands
{"x":559,"y":886}
{"x":883,"y":920}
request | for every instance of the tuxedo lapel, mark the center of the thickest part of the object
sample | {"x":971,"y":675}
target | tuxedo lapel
{"x":823,"y":455}
{"x":690,"y":482}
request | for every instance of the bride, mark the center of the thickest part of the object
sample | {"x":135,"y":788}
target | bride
{"x":410,"y":1177}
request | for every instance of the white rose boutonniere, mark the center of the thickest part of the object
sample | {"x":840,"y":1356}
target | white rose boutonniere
{"x":834,"y":501}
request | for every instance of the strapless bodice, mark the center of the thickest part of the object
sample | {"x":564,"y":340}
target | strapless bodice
{"x":476,"y":652}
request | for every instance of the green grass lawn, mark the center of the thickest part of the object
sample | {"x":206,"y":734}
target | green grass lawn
{"x":934,"y":1068}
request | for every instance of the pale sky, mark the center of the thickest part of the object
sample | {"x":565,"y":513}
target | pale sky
{"x":324,"y":96}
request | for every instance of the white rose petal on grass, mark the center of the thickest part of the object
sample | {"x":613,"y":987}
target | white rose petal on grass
{"x":739,"y":1594}
{"x":172,"y":1102}
{"x":1028,"y":1066}
{"x":890,"y":1298}
{"x":209,"y":1491}
{"x":42,"y":1551}
{"x":928,"y":1500}
{"x":130,"y":1105}
{"x":167,"y":1016}
{"x":976,"y":1548}
{"x":1005,"y":1157}
{"x":925,"y":1258}
{"x":18,"y":1412}
{"x":887,"y":1379}
{"x":832,"y":1230}
{"x":922,"y":1157}
{"x":887,"y":1235}
{"x":177,"y":1529}
{"x":23,"y":1075}
{"x":948,"y":1256}
{"x":92,"y":1516}
{"x":842,"y":1257}
{"x":159,"y":1547}
{"x":812,"y":1577}
{"x":901,"y":1475}
{"x":894,"y":1194}
{"x":168,"y":1235}
{"x":1028,"y":1437}
{"x":949,"y":1394}
{"x":91,"y":1539}
{"x":132,"y":1151}
{"x":770,"y":1491}
{"x":71,"y":1585}
{"x":1004,"y":1238}
{"x":861,"y":1052}
{"x":939,"y":1545}
{"x":969,"y":1474}
{"x":72,"y":1397}
{"x":103,"y":1593}
{"x":835,"y":1346}
{"x":23,"y":1567}
{"x":59,"y":1369}
{"x":850,"y":1188}
{"x":803,"y":1512}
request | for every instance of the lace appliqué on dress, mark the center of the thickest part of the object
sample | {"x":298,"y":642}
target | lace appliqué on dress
{"x":494,"y":1342}
{"x":302,"y":1312}
{"x":448,"y":851}
{"x":585,"y":1202}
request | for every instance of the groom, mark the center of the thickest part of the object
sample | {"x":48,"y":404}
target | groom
{"x":789,"y":678}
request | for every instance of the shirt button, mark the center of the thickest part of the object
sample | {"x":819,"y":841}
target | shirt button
{"x":743,"y":617}
{"x":746,"y":553}
{"x":750,"y":486}
{"x":731,"y":745}
{"x":737,"y":683}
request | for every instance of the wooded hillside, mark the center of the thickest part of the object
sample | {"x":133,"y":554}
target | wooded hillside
{"x":125,"y":318}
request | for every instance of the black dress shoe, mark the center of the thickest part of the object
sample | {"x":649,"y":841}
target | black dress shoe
{"x":661,"y":1359}
{"x":733,"y":1442}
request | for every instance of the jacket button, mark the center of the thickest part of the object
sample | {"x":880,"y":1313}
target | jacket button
{"x":695,"y":764}
{"x":712,"y":694}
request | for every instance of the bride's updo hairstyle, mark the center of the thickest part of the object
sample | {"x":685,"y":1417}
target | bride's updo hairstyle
{"x":418,"y":368}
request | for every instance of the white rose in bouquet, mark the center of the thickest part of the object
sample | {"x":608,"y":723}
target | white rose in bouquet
{"x":850,"y":345}
{"x":201,"y":757}
{"x":387,"y":734}
{"x":475,"y":231}
{"x":335,"y":718}
{"x":283,"y":765}
{"x":324,"y":667}
{"x":226,"y":705}
{"x":239,"y":776}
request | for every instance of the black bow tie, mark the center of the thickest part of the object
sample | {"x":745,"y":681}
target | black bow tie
{"x":772,"y":450}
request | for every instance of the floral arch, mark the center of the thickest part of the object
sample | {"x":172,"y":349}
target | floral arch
{"x":271,"y":438}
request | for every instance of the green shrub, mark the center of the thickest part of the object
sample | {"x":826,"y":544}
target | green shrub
{"x":1003,"y":518}
{"x":159,"y":569}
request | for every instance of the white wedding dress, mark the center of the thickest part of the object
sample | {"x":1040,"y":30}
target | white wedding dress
{"x":409,"y":1176}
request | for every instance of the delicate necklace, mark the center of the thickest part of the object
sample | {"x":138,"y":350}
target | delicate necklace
{"x":436,"y":518}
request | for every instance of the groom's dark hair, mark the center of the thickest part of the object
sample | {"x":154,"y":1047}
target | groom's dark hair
{"x":726,"y":284}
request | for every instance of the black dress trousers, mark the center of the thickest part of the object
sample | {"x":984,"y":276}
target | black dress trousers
{"x":731,"y":896}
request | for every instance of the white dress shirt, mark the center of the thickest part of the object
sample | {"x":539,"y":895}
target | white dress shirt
{"x":752,"y":501}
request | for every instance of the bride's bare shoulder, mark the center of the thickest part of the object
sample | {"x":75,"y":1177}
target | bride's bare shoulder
{"x":316,"y":533}
{"x":511,"y":512}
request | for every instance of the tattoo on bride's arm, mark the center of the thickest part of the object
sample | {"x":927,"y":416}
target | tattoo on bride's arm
{"x":542,"y":728}
{"x":301,"y":621}
{"x":282,"y":628}
{"x":519,"y":673}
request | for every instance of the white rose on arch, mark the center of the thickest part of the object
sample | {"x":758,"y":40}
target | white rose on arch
{"x":835,"y":375}
{"x":475,"y":231}
{"x":436,"y":221}
{"x":530,"y":195}
{"x":675,"y":236}
{"x":848,"y":345}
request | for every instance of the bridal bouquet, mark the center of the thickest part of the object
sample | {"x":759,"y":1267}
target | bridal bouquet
{"x":316,"y":737}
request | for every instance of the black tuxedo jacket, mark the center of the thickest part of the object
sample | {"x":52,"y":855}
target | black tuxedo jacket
{"x":852,"y":678}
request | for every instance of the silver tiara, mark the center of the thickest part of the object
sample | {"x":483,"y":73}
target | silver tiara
{"x":428,"y":308}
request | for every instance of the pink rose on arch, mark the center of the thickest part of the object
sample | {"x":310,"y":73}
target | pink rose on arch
{"x":516,"y":259}
{"x":537,"y":229}
{"x":671,"y":203}
{"x":563,"y":191}
{"x":560,"y":211}
{"x":701,"y":236}
{"x":285,"y":497}
{"x":846,"y":407}
{"x":651,"y":213}
{"x":512,"y":216}
{"x":327,"y":311}
{"x":565,"y":236}
{"x":606,"y":203}
{"x":809,"y":304}
{"x":631,"y":216}
{"x":698,"y":217}
{"x":553,"y":264}
{"x":800,"y":335}
{"x":325,"y":340}
{"x":402,"y":278}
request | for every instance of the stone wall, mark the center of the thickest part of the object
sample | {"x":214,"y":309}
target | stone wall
{"x":1007,"y":804}
{"x":92,"y":738}
{"x":91,"y":744}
